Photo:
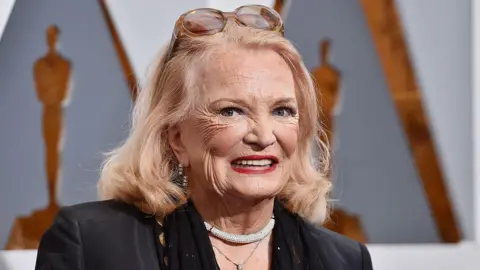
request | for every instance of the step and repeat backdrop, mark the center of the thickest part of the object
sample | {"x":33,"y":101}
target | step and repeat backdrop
{"x":400,"y":133}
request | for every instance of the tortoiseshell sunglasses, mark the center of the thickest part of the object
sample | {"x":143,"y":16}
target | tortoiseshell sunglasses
{"x":209,"y":21}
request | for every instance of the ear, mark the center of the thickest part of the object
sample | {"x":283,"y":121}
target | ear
{"x":177,"y":145}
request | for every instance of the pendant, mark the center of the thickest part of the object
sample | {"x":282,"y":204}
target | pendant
{"x":239,"y":267}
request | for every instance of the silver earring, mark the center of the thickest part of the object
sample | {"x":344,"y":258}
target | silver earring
{"x":185,"y":182}
{"x":183,"y":176}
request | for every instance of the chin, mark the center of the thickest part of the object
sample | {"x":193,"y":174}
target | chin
{"x":256,"y":185}
{"x":258,"y":191}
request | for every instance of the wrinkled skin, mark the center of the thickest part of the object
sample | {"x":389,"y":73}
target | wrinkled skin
{"x":246,"y":106}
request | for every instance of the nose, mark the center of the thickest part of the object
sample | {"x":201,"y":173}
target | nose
{"x":261,"y":134}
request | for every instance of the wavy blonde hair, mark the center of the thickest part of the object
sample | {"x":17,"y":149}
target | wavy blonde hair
{"x":140,"y":171}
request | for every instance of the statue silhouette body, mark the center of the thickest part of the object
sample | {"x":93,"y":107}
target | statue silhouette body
{"x":327,"y":78}
{"x":51,"y":75}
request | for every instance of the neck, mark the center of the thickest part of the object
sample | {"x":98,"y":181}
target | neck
{"x":324,"y":61}
{"x":51,"y":52}
{"x":232,"y":214}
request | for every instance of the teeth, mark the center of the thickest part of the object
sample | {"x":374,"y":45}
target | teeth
{"x":261,"y":162}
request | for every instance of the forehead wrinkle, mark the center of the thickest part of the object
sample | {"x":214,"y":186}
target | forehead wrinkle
{"x":241,"y":75}
{"x":257,"y":88}
{"x":231,"y":77}
{"x":228,"y":71}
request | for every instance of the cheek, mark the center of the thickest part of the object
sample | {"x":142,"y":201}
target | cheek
{"x":216,"y":137}
{"x":226,"y":139}
{"x":287,"y":136}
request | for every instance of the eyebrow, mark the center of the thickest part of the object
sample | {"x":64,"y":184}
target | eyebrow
{"x":247,"y":104}
{"x":285,"y":101}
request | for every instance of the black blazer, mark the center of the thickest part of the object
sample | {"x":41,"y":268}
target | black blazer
{"x":112,"y":235}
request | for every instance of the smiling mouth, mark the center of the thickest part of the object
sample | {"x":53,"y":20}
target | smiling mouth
{"x":254,"y":164}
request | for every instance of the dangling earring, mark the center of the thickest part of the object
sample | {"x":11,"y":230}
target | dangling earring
{"x":183,"y":176}
{"x":185,"y":182}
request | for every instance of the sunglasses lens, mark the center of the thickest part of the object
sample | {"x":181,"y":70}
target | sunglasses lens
{"x":259,"y":17}
{"x":204,"y":22}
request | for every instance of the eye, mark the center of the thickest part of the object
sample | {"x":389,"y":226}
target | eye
{"x":284,"y":111}
{"x":230,"y":111}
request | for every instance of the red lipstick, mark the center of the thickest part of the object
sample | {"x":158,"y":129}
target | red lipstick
{"x":255,"y":169}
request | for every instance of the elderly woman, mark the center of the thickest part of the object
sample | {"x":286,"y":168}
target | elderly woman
{"x":217,"y":172}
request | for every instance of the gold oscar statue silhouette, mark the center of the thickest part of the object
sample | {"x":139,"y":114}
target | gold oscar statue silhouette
{"x":327,"y":78}
{"x":51,"y":74}
{"x":346,"y":224}
{"x":279,"y":5}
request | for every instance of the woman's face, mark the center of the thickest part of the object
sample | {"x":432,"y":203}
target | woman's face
{"x":243,"y":134}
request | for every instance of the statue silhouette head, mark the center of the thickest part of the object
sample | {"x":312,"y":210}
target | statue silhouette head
{"x":52,"y":35}
{"x":278,"y":6}
{"x":324,"y":50}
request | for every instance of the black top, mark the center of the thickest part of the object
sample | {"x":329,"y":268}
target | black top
{"x":113,"y":235}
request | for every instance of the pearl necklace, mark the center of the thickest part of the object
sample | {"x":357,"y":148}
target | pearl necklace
{"x":242,"y":238}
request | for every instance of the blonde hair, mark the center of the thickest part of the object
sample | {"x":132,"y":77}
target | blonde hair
{"x":140,"y":171}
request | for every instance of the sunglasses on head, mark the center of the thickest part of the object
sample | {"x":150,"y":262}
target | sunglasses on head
{"x":209,"y":21}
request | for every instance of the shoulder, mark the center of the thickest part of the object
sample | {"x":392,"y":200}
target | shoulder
{"x":39,"y":63}
{"x":104,"y":220}
{"x":100,"y":211}
{"x":338,"y":248}
{"x":334,"y":240}
{"x":87,"y":236}
{"x":63,"y":61}
{"x":100,"y":220}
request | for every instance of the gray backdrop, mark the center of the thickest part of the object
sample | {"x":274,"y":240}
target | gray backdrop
{"x":374,"y":175}
{"x":95,"y":120}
